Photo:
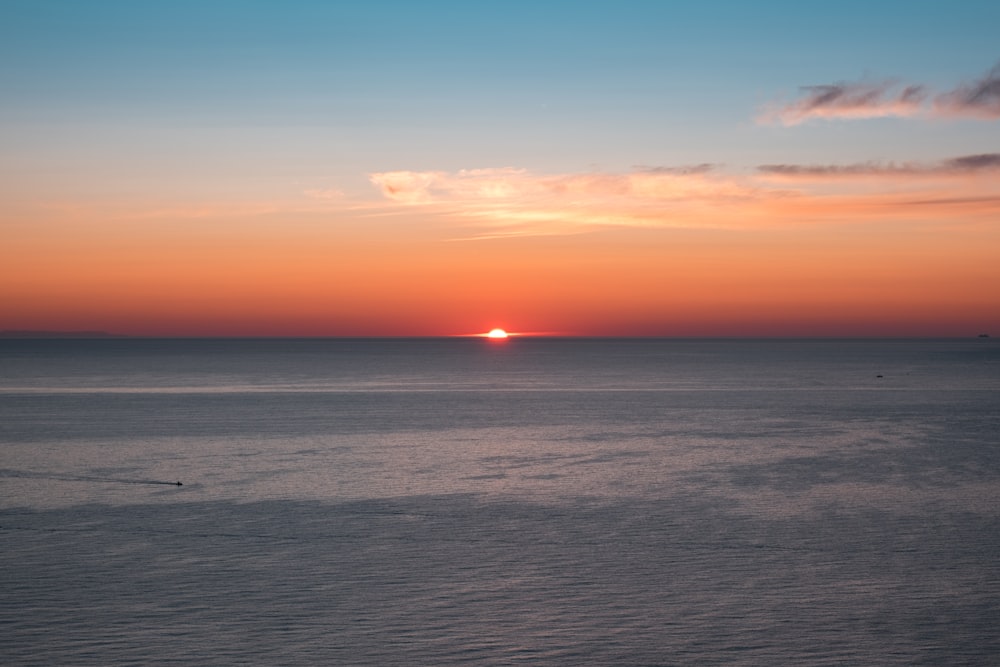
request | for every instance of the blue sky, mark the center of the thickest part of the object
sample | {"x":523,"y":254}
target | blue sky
{"x":447,"y":85}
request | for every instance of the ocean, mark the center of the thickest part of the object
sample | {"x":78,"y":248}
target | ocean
{"x":475,"y":502}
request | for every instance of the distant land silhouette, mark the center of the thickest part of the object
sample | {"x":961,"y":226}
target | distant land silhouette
{"x":8,"y":333}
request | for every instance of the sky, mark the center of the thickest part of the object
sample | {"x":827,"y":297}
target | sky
{"x":578,"y":168}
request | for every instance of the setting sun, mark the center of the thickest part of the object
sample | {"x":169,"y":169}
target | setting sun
{"x":497,"y":333}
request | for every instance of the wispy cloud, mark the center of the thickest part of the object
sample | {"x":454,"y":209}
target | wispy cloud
{"x":981,"y":98}
{"x":325,"y":201}
{"x":848,"y":100}
{"x":324,"y":193}
{"x":683,"y":170}
{"x":965,"y":164}
{"x":856,"y":100}
{"x":974,"y":162}
{"x":953,"y":191}
{"x":521,"y":203}
{"x":492,"y":203}
{"x":491,"y":185}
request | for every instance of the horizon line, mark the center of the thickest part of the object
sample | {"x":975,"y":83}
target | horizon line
{"x":106,"y":335}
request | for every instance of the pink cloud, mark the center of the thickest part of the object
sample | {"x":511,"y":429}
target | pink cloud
{"x":848,"y":100}
{"x":324,"y":193}
{"x":508,"y":202}
{"x":516,"y":202}
{"x":496,"y":185}
{"x":979,"y":99}
{"x":962,"y":165}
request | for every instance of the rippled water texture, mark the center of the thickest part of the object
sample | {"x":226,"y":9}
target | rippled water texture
{"x":544,"y":502}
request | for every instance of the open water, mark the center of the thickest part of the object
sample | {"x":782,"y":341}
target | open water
{"x":536,"y":502}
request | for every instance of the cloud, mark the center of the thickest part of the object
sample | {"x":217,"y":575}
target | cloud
{"x":508,"y":202}
{"x":496,"y":186}
{"x":683,"y":170}
{"x":980,"y":99}
{"x":848,"y":100}
{"x":522,"y":202}
{"x":965,"y":164}
{"x":324,"y":193}
{"x":975,"y":162}
{"x":427,"y":187}
{"x":953,"y":191}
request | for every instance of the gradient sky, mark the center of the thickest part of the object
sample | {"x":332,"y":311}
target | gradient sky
{"x":440,"y":168}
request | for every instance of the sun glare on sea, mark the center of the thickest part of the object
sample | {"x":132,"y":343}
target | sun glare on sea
{"x":497,"y":334}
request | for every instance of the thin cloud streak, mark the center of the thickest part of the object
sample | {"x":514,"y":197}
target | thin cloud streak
{"x":324,"y":193}
{"x":848,"y":100}
{"x":500,"y":184}
{"x":979,"y":99}
{"x":325,"y":202}
{"x":861,"y":100}
{"x":684,"y":170}
{"x":966,"y":164}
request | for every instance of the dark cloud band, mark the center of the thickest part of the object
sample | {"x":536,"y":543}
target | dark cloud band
{"x":956,"y":165}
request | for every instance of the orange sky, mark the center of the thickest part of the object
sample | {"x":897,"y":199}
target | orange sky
{"x":409,"y":173}
{"x":404,"y":270}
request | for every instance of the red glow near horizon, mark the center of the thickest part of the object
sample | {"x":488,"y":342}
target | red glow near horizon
{"x":847,"y":282}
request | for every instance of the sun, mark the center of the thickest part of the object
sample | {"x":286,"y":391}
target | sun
{"x":497,"y":334}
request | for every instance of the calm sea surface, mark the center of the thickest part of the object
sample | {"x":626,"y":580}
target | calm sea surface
{"x":536,"y":502}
